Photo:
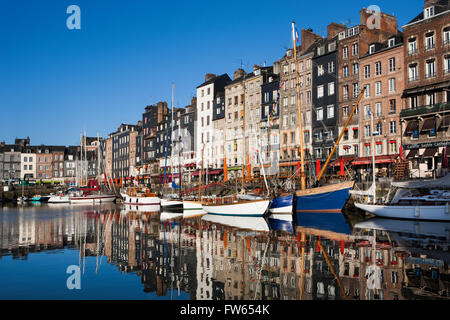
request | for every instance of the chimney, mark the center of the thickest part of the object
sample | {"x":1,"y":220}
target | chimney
{"x":239,"y":73}
{"x":383,"y":22}
{"x":209,"y":76}
{"x":429,"y":3}
{"x":2,"y":144}
{"x":308,"y":38}
{"x":333,"y":29}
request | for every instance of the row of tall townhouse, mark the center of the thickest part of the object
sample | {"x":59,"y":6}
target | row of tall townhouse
{"x":21,"y":161}
{"x":426,"y":116}
{"x":406,"y":80}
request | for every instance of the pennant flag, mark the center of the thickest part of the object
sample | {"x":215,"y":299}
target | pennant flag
{"x":317,"y":167}
{"x":225,"y":169}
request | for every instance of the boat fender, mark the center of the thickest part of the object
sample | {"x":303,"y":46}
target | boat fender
{"x":447,"y":208}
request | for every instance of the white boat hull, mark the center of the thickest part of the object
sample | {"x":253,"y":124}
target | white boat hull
{"x":282,"y":210}
{"x":439,"y":213}
{"x":93,"y":199}
{"x":192,"y":205}
{"x":140,"y":201}
{"x":58,"y":199}
{"x":243,"y":208}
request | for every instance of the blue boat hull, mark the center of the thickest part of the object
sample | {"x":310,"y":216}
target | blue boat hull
{"x":282,"y":204}
{"x":332,"y":201}
{"x":326,"y":221}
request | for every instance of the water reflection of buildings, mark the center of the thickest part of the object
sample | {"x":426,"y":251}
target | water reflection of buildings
{"x":211,"y":260}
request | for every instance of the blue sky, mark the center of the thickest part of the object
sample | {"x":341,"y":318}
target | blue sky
{"x":55,"y":82}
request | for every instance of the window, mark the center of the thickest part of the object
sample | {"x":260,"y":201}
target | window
{"x":392,"y":105}
{"x":429,"y":41}
{"x":431,"y":99}
{"x":320,"y":71}
{"x":446,"y":36}
{"x":378,"y":68}
{"x":378,"y":109}
{"x":393,"y":147}
{"x":379,"y":131}
{"x":412,"y":46}
{"x":379,"y":147}
{"x":392,"y":85}
{"x":391,"y":42}
{"x":367,"y":111}
{"x":355,"y":68}
{"x":355,"y":49}
{"x":320,"y":91}
{"x":345,"y":111}
{"x":447,"y":64}
{"x":372,"y":49}
{"x":319,"y":114}
{"x":393,"y":127}
{"x":367,"y":150}
{"x":331,"y":88}
{"x":367,"y":71}
{"x":430,"y":70}
{"x":355,"y":90}
{"x":355,"y":136}
{"x":330,"y":111}
{"x":413,"y":73}
{"x":345,"y":52}
{"x":331,"y":67}
{"x":345,"y":71}
{"x":367,"y":91}
{"x":367,"y":130}
{"x":391,"y":64}
{"x":428,"y":12}
{"x":345,"y":91}
{"x":378,"y":88}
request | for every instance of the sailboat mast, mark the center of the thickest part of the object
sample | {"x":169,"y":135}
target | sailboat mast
{"x":299,"y":104}
{"x":171,"y":153}
{"x":373,"y":158}
{"x":244,"y":164}
{"x":341,"y":134}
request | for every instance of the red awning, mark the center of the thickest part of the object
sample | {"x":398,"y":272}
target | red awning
{"x":378,"y":159}
{"x":347,"y":161}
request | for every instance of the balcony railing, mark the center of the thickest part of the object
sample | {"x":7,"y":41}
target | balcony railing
{"x":432,"y":109}
{"x":430,"y":75}
{"x":412,"y":51}
{"x":429,"y":47}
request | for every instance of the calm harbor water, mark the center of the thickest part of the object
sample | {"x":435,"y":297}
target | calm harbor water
{"x":136,"y":253}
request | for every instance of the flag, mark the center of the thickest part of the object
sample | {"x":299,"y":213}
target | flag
{"x":317,"y":167}
{"x":298,"y":168}
{"x":296,"y":35}
{"x":249,"y":167}
{"x":342,"y":167}
{"x":225,"y":169}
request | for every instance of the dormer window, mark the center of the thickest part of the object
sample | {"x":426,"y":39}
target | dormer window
{"x":391,"y":42}
{"x":429,"y":12}
{"x":372,"y":49}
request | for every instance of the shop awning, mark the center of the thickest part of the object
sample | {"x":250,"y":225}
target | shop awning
{"x":412,"y":153}
{"x":411,"y":127}
{"x":378,"y":160}
{"x":430,"y":152}
{"x":347,"y":161}
{"x":210,"y":172}
{"x":429,"y":124}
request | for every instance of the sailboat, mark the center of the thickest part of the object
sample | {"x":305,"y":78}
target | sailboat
{"x":241,"y":204}
{"x":417,"y":200}
{"x":329,"y":198}
{"x":87,"y":197}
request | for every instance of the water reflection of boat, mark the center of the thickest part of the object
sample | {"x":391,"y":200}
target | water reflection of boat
{"x":185,"y":214}
{"x":141,"y":208}
{"x":329,"y":224}
{"x":422,"y":228}
{"x":281,"y":222}
{"x":244,"y":223}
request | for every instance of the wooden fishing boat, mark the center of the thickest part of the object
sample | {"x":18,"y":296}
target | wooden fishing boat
{"x":139,"y":197}
{"x":234,"y":207}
